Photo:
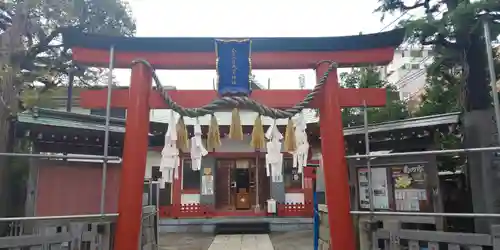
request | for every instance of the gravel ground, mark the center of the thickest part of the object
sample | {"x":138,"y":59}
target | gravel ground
{"x":297,"y":240}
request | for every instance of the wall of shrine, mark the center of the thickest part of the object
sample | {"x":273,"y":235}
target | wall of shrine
{"x":289,"y":190}
{"x":72,"y":188}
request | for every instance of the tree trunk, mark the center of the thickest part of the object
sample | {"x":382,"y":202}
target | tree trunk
{"x":12,"y":48}
{"x":483,"y":168}
{"x":477,"y":88}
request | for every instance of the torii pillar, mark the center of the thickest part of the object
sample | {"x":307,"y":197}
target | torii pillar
{"x":335,"y":169}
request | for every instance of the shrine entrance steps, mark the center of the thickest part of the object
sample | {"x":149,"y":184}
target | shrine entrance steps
{"x":241,"y":241}
{"x":242,"y":227}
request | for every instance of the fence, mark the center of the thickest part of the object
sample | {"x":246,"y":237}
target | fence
{"x":197,"y":210}
{"x":390,"y":236}
{"x":80,"y":232}
{"x":295,"y":209}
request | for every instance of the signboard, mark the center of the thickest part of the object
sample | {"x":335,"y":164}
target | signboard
{"x":233,"y":67}
{"x":380,"y":188}
{"x":410,"y":191}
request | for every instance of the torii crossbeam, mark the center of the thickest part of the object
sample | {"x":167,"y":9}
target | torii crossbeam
{"x":267,"y":53}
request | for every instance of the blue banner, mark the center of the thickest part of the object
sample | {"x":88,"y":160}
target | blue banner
{"x":233,"y":67}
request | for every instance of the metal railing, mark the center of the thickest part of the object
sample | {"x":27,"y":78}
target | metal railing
{"x":392,"y":237}
{"x":75,"y":232}
{"x":79,"y":232}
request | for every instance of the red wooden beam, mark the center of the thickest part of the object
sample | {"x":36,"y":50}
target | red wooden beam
{"x":335,"y":169}
{"x":260,"y":60}
{"x":197,"y":98}
{"x":135,"y":152}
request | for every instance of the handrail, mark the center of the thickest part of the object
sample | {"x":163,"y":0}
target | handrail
{"x":61,"y":217}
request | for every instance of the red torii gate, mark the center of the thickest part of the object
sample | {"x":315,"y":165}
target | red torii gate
{"x":267,"y":53}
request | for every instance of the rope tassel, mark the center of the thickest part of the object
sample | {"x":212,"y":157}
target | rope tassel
{"x":236,"y":130}
{"x":258,"y":141}
{"x":213,"y":137}
{"x":290,"y":141}
{"x":182,"y":135}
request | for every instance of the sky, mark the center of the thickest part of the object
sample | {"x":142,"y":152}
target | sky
{"x":255,"y":18}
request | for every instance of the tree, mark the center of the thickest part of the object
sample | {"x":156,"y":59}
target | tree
{"x":370,"y":78}
{"x":442,"y":92}
{"x":454,"y":29}
{"x":33,"y":52}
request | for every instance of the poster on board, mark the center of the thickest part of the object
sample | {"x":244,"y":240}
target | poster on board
{"x":410,"y":191}
{"x":380,"y":190}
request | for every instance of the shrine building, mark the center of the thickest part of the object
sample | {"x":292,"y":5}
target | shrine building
{"x":239,"y":187}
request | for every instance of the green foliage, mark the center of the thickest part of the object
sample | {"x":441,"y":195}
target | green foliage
{"x":370,"y":78}
{"x":442,"y":92}
{"x":457,"y":79}
{"x":45,"y":60}
{"x":455,"y":31}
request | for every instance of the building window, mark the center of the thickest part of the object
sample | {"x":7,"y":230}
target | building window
{"x":190,"y":178}
{"x":292,"y":177}
{"x":416,"y":53}
{"x":165,"y":194}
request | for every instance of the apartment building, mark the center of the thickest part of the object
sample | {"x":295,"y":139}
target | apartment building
{"x":407,"y":71}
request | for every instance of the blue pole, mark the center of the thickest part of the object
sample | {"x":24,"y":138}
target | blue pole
{"x":316,"y":216}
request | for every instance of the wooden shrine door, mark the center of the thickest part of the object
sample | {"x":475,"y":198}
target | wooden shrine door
{"x":229,"y":186}
{"x":263,"y":182}
{"x":223,"y":184}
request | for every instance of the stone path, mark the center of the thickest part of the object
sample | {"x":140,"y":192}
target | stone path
{"x":185,"y":241}
{"x":242,"y":242}
{"x":296,"y":240}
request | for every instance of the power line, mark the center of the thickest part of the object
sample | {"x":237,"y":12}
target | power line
{"x":393,"y":21}
{"x":412,"y":76}
{"x":421,"y":62}
{"x":408,"y":74}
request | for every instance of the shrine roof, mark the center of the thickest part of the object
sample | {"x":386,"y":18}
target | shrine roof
{"x":411,"y":123}
{"x":393,"y":38}
{"x":63,"y":119}
{"x":56,"y":118}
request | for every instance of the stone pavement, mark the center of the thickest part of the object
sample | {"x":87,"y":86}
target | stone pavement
{"x":242,"y":242}
{"x":296,"y":240}
{"x":185,"y":241}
